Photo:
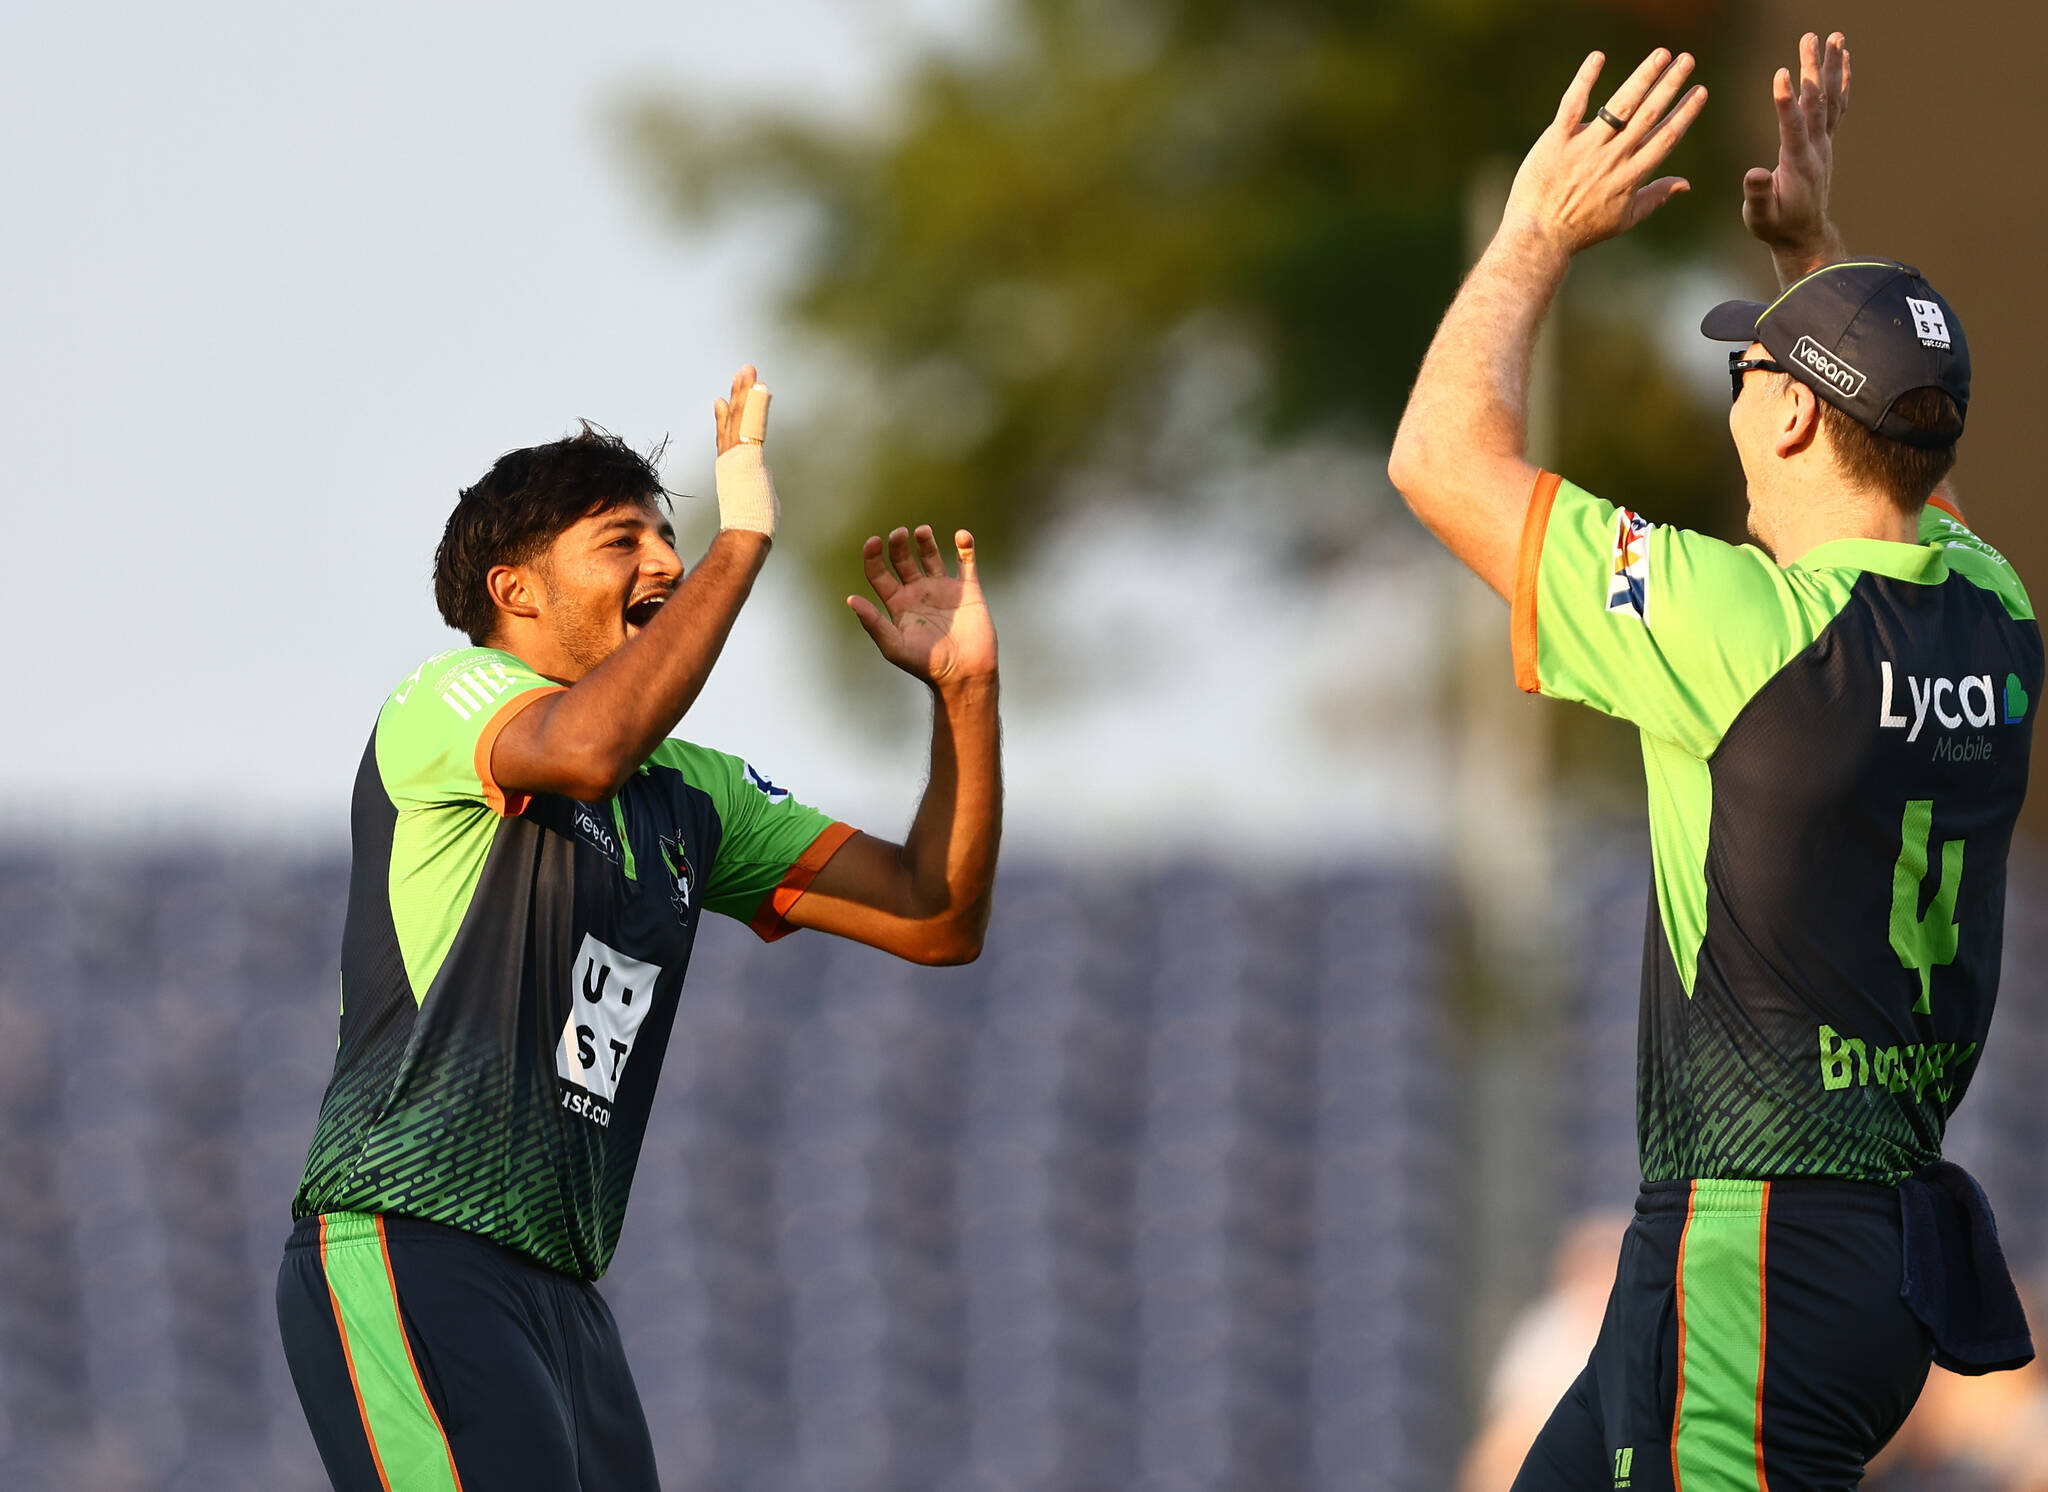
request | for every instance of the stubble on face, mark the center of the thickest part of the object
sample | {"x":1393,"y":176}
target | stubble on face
{"x":586,"y":631}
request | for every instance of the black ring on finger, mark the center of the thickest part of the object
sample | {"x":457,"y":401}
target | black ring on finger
{"x":1607,"y":116}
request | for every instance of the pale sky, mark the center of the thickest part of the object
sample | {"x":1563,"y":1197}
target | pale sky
{"x":278,"y":282}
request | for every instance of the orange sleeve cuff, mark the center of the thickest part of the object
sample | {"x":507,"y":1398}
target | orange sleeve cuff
{"x":772,"y":920}
{"x":514,"y":804}
{"x":1528,"y":566}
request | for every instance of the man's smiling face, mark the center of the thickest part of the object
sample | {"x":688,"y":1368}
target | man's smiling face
{"x":604,"y":578}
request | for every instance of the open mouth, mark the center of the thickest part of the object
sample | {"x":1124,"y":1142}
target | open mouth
{"x":641,"y":612}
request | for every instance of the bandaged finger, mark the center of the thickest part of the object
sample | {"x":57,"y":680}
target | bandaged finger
{"x":754,"y":416}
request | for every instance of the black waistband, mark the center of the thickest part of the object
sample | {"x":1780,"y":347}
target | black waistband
{"x":1790,"y":1196}
{"x":306,"y":1235}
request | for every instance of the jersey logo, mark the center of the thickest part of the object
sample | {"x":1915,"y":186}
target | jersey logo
{"x":1842,"y":377}
{"x":1928,"y":322}
{"x":1954,"y":703}
{"x":1916,"y":1068}
{"x":596,"y":834}
{"x":610,"y":994}
{"x":475,"y":690}
{"x":768,"y":789}
{"x":677,"y":858}
{"x":1628,"y":566}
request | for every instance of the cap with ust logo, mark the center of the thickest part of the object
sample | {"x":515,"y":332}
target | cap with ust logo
{"x":1860,"y":334}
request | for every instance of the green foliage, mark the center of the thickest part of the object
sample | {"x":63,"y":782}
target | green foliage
{"x":1012,"y":264}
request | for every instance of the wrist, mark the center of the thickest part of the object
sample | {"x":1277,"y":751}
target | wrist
{"x":745,"y":546}
{"x":965,"y":692}
{"x":746,"y":491}
{"x":1800,"y":256}
{"x":1526,"y":239}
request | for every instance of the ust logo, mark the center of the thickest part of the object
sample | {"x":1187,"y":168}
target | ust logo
{"x":1928,"y":322}
{"x":611,"y":996}
{"x":1624,"y":1465}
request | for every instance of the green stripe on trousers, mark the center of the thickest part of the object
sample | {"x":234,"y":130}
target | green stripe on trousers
{"x":412,"y":1453}
{"x":1716,"y":1442}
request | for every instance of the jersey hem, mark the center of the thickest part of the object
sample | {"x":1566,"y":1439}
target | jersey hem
{"x":772,"y":920}
{"x":1528,"y":568}
{"x":507,"y":805}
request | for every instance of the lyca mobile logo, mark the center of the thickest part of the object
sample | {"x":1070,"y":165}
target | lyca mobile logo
{"x":1846,"y":380}
{"x":1954,"y":703}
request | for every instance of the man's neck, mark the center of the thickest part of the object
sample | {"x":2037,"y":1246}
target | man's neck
{"x":536,"y":655}
{"x":1843,"y":513}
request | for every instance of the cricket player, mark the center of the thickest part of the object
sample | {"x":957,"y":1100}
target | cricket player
{"x":533,"y":857}
{"x":1835,"y":728}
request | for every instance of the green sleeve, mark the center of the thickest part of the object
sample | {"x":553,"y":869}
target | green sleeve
{"x":1973,"y":559}
{"x":770,"y":845}
{"x":1670,"y":629}
{"x":436,"y":730}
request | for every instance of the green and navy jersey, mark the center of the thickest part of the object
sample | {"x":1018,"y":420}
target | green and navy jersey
{"x":511,"y":964}
{"x":1836,"y":751}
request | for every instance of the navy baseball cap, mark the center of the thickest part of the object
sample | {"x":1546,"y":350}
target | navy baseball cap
{"x":1860,"y":334}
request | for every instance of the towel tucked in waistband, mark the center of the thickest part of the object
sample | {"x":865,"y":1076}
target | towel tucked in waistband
{"x":1955,"y":1278}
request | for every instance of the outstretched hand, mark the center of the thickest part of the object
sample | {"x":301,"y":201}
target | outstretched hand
{"x":1787,"y":208}
{"x":1585,"y":179}
{"x":933,"y":626}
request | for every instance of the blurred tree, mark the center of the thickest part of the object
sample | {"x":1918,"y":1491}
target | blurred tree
{"x":1044,"y":239}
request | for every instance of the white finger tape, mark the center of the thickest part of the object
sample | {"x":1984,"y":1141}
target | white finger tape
{"x":754,"y":418}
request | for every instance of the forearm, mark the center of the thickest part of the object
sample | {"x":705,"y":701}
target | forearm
{"x":611,"y":720}
{"x":1459,"y":454}
{"x":950,"y":852}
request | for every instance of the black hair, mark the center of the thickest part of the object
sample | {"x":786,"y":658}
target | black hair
{"x":522,"y":504}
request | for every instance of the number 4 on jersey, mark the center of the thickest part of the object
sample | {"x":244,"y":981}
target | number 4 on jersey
{"x":1922,"y":942}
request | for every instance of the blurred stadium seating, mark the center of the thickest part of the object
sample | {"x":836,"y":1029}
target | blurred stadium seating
{"x":1163,"y":1193}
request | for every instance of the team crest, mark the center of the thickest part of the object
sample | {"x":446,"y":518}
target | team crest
{"x":1628,"y":580}
{"x":681,"y":876}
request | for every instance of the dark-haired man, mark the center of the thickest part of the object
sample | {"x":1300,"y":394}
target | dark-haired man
{"x":1835,"y":732}
{"x":533,"y":854}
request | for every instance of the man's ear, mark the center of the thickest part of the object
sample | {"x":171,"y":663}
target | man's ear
{"x":515,"y":590}
{"x":1801,"y":425}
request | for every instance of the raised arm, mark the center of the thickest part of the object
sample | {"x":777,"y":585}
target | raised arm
{"x":586,"y":741}
{"x":1459,"y":455}
{"x":1786,"y":208}
{"x":927,"y":899}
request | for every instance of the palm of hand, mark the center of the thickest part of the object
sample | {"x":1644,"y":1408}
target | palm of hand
{"x":936,"y":626}
{"x":945,"y":629}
